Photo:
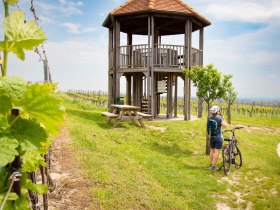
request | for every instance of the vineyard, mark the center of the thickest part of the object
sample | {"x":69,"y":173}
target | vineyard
{"x":76,"y":150}
{"x":240,"y":108}
{"x":164,"y":166}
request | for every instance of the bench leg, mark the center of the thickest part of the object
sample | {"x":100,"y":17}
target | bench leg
{"x":117,"y":122}
{"x":141,"y":122}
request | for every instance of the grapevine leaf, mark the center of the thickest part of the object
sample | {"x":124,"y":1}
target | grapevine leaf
{"x":29,"y":134}
{"x":22,"y":203}
{"x":10,"y":202}
{"x":7,"y":150}
{"x":41,"y":103}
{"x":18,"y":52}
{"x":31,"y":160}
{"x":25,"y":35}
{"x":12,"y":2}
{"x":3,"y":180}
{"x":12,"y":87}
{"x":6,"y":104}
{"x":38,"y":188}
{"x":11,"y":197}
{"x":10,"y":47}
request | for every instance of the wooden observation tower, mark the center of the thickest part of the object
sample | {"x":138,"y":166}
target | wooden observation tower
{"x":153,"y":68}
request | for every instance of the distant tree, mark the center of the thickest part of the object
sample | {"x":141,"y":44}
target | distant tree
{"x":211,"y":85}
{"x":230,"y":98}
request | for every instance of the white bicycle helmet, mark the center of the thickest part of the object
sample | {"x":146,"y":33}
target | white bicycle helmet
{"x":214,"y":109}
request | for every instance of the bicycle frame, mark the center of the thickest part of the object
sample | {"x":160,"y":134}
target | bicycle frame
{"x":231,"y":152}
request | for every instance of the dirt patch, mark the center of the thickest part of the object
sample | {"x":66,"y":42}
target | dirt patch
{"x":162,"y":129}
{"x":73,"y":189}
{"x":222,"y":206}
{"x":262,"y":129}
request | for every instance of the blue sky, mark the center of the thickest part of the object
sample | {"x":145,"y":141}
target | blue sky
{"x":243,"y":40}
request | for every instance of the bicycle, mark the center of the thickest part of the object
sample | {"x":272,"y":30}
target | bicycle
{"x":231,"y":153}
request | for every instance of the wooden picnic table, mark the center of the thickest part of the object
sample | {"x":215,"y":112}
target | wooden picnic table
{"x":127,"y":112}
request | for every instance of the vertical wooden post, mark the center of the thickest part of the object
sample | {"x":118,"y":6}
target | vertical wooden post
{"x":152,"y":67}
{"x":129,"y":48}
{"x":128,"y":89}
{"x":176,"y":97}
{"x":134,"y":89}
{"x":116,"y":58}
{"x":187,"y":61}
{"x":110,"y":91}
{"x":118,"y":85}
{"x":110,"y":73}
{"x":141,"y":88}
{"x":201,"y":43}
{"x":149,"y":67}
{"x":169,"y":95}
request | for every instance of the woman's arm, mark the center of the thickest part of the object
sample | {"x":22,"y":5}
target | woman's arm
{"x":224,"y":123}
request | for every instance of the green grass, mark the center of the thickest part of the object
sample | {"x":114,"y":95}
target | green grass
{"x":135,"y":168}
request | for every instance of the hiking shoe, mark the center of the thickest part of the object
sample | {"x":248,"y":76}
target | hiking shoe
{"x":210,"y":166}
{"x":214,"y":168}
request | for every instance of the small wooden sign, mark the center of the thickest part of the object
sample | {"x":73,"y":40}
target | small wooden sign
{"x":161,"y":86}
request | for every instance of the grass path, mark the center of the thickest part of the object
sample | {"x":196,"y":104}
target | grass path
{"x":71,"y":184}
{"x":156,"y":168}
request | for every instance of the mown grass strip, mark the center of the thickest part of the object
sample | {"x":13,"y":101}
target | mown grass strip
{"x":135,"y":168}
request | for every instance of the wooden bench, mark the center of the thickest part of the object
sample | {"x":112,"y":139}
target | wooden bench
{"x":145,"y":116}
{"x":109,"y":115}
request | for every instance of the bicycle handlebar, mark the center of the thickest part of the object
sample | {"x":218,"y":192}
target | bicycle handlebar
{"x":232,"y":130}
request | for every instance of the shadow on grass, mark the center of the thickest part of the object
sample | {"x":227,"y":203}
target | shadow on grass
{"x":99,"y":120}
{"x":170,"y":150}
{"x":95,"y":117}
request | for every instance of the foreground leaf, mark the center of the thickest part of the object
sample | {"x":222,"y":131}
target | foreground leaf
{"x":13,"y":88}
{"x":11,"y":197}
{"x":5,"y":105}
{"x":12,"y":2}
{"x":41,"y":104}
{"x":4,"y":175}
{"x":31,"y":160}
{"x":29,"y":134}
{"x":23,"y":35}
{"x":7,"y":150}
{"x":22,"y":203}
{"x":38,"y":188}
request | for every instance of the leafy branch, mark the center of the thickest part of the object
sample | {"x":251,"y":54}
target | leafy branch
{"x":40,"y":114}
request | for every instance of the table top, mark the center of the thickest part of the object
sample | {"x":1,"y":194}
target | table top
{"x":127,"y":107}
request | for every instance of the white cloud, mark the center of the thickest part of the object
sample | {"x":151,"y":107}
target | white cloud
{"x":66,"y":8}
{"x":261,"y":11}
{"x":76,"y":28}
{"x":74,"y":64}
{"x":46,"y":19}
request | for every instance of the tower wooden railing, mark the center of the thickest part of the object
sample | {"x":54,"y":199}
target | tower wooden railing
{"x":165,"y":56}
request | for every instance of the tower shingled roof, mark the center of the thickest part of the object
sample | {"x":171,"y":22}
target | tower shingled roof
{"x":178,"y":6}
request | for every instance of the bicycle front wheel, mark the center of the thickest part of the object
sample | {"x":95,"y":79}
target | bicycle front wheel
{"x":226,"y":160}
{"x":237,"y":159}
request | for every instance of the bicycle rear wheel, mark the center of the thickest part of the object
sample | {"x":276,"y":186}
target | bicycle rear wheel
{"x":226,"y":160}
{"x":237,"y":159}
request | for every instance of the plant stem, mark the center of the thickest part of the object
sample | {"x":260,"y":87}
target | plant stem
{"x":5,"y":62}
{"x":14,"y":121}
